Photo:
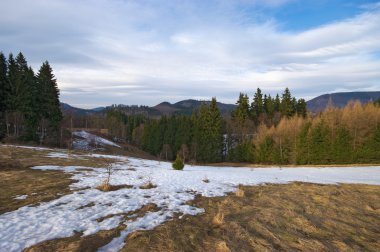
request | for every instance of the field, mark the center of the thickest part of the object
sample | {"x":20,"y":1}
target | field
{"x":51,"y":201}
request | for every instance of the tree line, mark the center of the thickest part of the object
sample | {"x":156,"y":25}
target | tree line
{"x":29,"y":102}
{"x":335,"y":136}
{"x":288,"y":134}
{"x":198,"y":137}
{"x":206,"y":136}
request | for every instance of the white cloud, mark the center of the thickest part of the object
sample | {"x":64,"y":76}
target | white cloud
{"x":144,"y":52}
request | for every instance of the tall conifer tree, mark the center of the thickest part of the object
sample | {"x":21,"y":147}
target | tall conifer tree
{"x":4,"y":93}
{"x":50,"y":102}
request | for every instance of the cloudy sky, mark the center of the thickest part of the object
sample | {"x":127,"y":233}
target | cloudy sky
{"x":148,"y":51}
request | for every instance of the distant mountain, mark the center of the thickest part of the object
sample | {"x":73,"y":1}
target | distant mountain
{"x":187,"y":107}
{"x":340,"y":99}
{"x":68,"y":109}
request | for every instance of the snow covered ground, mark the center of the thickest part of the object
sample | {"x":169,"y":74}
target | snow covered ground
{"x":61,"y":217}
{"x":88,"y":141}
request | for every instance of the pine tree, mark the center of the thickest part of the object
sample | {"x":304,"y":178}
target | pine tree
{"x":31,"y":106}
{"x":200,"y":145}
{"x":287,"y":104}
{"x":303,"y":145}
{"x":50,"y":102}
{"x":178,"y":163}
{"x":270,"y":107}
{"x":301,"y":108}
{"x":277,"y":103}
{"x":216,"y":132}
{"x":257,"y":106}
{"x":369,"y":152}
{"x":21,"y":83}
{"x":320,"y":144}
{"x":241,"y":113}
{"x":12,"y":79}
{"x":4,"y":93}
{"x":265,"y":151}
{"x":208,"y":143}
{"x":342,"y":146}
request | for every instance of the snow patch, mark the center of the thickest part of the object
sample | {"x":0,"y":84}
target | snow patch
{"x":87,"y":141}
{"x":21,"y":197}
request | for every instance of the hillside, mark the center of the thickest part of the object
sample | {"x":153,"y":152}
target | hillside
{"x":186,"y":107}
{"x":340,"y":99}
{"x":68,"y":109}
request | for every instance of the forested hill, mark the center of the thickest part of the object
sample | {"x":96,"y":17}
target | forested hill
{"x":68,"y":109}
{"x":341,"y":99}
{"x":185,"y":107}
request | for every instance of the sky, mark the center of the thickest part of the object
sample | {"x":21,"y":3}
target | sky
{"x":144,"y":52}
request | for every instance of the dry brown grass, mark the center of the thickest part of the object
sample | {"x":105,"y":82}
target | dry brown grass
{"x":107,"y":187}
{"x":16,"y":177}
{"x":148,"y":185}
{"x":218,"y":219}
{"x":221,"y":246}
{"x":239,"y":193}
{"x":25,"y":158}
{"x":104,"y":186}
{"x":291,"y":217}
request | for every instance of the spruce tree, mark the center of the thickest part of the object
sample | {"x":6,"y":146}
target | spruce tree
{"x":31,"y":108}
{"x":303,"y":145}
{"x":241,"y":113}
{"x":277,"y":103}
{"x":208,"y":138}
{"x":4,"y":93}
{"x":217,"y":143}
{"x":21,"y":82}
{"x":320,"y":144}
{"x":201,"y":144}
{"x":12,"y":74}
{"x":287,"y":104}
{"x":50,"y":102}
{"x":342,"y":146}
{"x":265,"y":151}
{"x":257,"y":106}
{"x":301,"y":108}
{"x":270,"y":107}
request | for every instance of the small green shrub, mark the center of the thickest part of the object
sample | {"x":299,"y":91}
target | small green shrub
{"x":178,"y":163}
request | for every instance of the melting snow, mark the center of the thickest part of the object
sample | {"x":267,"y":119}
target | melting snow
{"x":88,"y":138}
{"x":61,"y":217}
{"x":21,"y":197}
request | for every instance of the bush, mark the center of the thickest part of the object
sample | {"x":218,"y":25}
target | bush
{"x":178,"y":163}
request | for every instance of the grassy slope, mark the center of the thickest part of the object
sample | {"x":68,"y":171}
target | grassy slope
{"x":297,"y":216}
{"x":16,"y":177}
{"x":290,"y":217}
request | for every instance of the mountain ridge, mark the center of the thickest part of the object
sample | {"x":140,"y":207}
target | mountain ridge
{"x":186,"y":107}
{"x":341,"y":99}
